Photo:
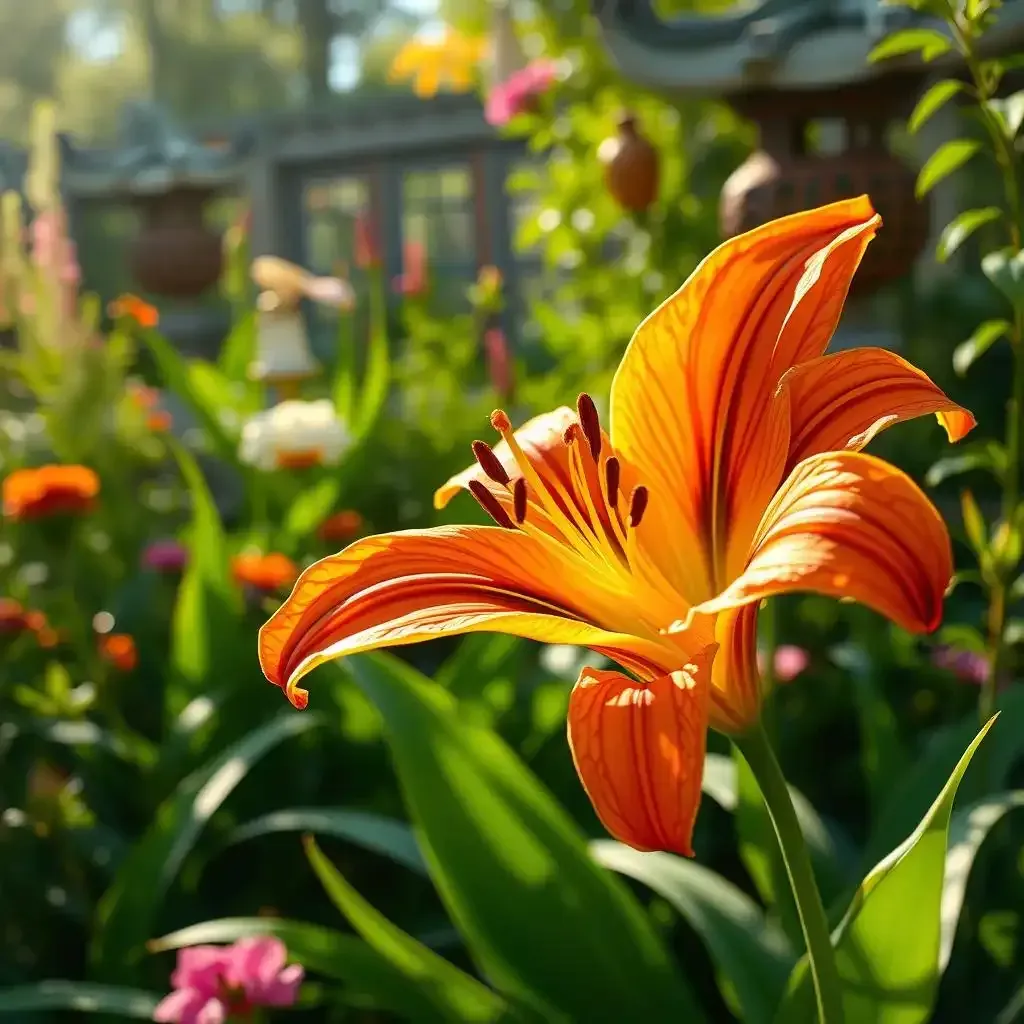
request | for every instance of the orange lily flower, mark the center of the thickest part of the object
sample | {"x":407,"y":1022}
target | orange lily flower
{"x":731,"y":472}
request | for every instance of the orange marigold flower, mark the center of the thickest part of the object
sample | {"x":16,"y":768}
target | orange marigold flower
{"x":14,"y":619}
{"x":119,"y":649}
{"x":264,"y":572}
{"x":732,"y":471}
{"x":49,"y":490}
{"x":159,"y":421}
{"x":341,"y":526}
{"x":132,"y":307}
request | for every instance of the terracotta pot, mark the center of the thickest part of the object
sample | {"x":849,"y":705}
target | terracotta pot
{"x":175,"y":254}
{"x":631,"y":166}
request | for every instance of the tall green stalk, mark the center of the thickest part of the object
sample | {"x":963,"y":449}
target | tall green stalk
{"x":983,"y":90}
{"x":757,"y":751}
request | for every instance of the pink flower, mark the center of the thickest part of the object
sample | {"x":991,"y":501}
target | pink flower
{"x":165,"y":556}
{"x":519,"y":92}
{"x":967,"y":666}
{"x":212,"y":983}
{"x":790,"y":661}
{"x":499,"y":362}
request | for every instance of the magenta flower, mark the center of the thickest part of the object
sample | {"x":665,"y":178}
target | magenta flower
{"x":790,"y":661}
{"x":967,"y":666}
{"x":519,"y":92}
{"x":165,"y":556}
{"x":213,"y":983}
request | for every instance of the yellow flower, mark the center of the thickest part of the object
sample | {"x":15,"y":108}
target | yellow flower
{"x":450,"y":62}
{"x":731,"y":472}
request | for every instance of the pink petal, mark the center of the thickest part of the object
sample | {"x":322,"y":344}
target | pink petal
{"x":179,"y":1007}
{"x":284,"y":989}
{"x":199,"y":966}
{"x":213,"y":1012}
{"x":790,"y":661}
{"x":256,"y":961}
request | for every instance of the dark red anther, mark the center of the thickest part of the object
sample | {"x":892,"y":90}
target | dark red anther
{"x":519,"y":499}
{"x":489,"y":503}
{"x":612,"y":473}
{"x":590,"y":422}
{"x":637,"y":505}
{"x":490,"y":463}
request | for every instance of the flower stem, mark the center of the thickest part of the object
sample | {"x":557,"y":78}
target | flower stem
{"x":1006,"y":159}
{"x":757,"y":751}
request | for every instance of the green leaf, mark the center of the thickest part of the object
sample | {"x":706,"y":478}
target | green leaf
{"x":374,"y":832}
{"x":961,"y":227}
{"x":751,"y":955}
{"x":544,"y":923}
{"x":78,"y":995}
{"x":988,"y":456}
{"x":125,"y":745}
{"x":445,"y":992}
{"x":174,"y":370}
{"x":239,"y":348}
{"x":1005,"y":269}
{"x":950,"y":156}
{"x":926,"y":41}
{"x":936,"y":97}
{"x":479,"y":658}
{"x":885,"y":978}
{"x":967,"y":832}
{"x":208,"y":606}
{"x":1010,"y":112}
{"x":912,"y":793}
{"x":364,"y":972}
{"x":983,"y":338}
{"x":373,"y":391}
{"x":974,"y":523}
{"x":343,"y":387}
{"x":128,"y":910}
{"x":310,"y":509}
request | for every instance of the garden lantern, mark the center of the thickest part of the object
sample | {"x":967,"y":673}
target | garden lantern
{"x":799,"y":69}
{"x":169,"y":179}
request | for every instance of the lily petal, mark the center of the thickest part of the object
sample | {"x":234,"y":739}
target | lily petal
{"x":541,"y":440}
{"x":842,"y":400}
{"x":402,"y":588}
{"x":849,"y":525}
{"x":736,"y":692}
{"x":691,"y":397}
{"x":639,"y":751}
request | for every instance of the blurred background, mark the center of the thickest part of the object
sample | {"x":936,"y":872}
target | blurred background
{"x":507,"y":189}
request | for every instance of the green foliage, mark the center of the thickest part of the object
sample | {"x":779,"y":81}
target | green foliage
{"x":451,"y":831}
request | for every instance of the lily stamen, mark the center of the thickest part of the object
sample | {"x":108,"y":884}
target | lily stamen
{"x":519,"y":499}
{"x":612,"y":474}
{"x":489,"y":503}
{"x":637,"y":505}
{"x":590,"y":423}
{"x":490,"y":463}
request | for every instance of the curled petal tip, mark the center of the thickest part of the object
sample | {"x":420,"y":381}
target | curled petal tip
{"x":297,"y":695}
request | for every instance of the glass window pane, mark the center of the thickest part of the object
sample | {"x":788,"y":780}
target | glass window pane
{"x":332,"y":207}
